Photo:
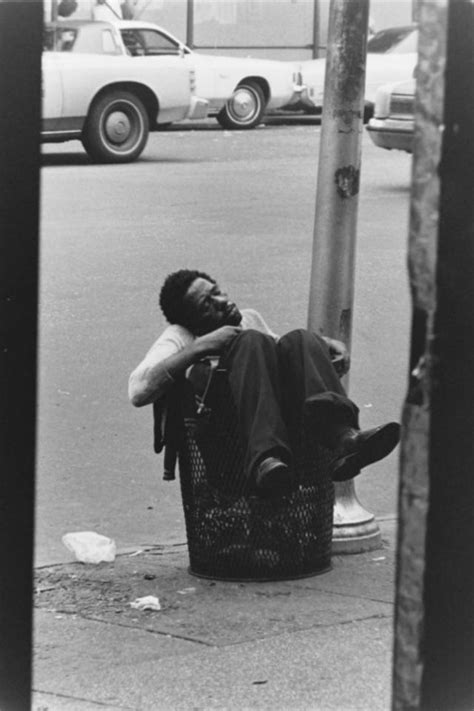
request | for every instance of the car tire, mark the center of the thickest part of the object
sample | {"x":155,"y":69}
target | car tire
{"x":116,"y":128}
{"x":245,"y":107}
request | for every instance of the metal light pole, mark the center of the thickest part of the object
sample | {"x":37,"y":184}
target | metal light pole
{"x":332,"y":275}
{"x":190,"y":23}
{"x":316,"y":28}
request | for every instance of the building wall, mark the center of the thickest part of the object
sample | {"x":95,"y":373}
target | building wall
{"x":270,"y":28}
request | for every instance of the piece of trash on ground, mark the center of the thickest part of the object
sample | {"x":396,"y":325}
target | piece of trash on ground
{"x":90,"y":547}
{"x":149,"y":602}
{"x":381,"y":558}
{"x":186,"y":591}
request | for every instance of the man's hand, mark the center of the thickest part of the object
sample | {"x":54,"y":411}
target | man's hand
{"x":154,"y":376}
{"x":340,"y":357}
{"x":216,"y":341}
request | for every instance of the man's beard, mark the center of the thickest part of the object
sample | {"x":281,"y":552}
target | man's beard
{"x":234,"y":317}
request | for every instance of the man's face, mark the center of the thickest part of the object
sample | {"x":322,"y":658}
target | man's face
{"x":209,"y":307}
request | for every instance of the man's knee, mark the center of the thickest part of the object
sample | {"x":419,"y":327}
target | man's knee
{"x":301,"y":336}
{"x":250,"y":341}
{"x":297,"y":335}
{"x":252,"y":337}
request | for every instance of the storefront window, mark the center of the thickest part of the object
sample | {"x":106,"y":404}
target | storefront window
{"x":169,"y":14}
{"x":253,"y":23}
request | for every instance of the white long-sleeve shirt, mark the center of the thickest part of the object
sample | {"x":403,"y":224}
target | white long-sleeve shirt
{"x":175,"y":338}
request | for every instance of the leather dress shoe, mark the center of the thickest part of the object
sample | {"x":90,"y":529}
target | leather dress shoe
{"x":357,"y":449}
{"x":274,"y":478}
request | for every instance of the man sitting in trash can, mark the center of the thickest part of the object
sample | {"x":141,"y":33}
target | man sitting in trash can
{"x":276,"y":383}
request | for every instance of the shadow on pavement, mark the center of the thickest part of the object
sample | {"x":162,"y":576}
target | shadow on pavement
{"x":274,"y":119}
{"x":61,"y":160}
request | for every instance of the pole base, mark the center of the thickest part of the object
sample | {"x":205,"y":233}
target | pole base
{"x":354,"y":528}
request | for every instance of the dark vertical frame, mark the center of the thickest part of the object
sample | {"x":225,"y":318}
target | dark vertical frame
{"x":20,"y":98}
{"x":448,"y":645}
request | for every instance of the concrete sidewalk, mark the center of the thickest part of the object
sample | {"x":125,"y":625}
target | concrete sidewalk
{"x":323,"y":642}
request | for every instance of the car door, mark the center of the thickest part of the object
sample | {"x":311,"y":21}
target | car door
{"x":51,"y":92}
{"x":150,"y":42}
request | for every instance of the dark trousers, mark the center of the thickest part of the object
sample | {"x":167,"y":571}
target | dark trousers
{"x":276,"y":385}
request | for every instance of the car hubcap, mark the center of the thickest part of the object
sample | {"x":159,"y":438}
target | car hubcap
{"x":118,"y":127}
{"x":243,"y":104}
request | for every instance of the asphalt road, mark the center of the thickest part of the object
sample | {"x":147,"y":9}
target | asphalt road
{"x":241,"y":206}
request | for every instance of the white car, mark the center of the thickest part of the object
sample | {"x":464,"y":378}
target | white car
{"x":239,"y":89}
{"x":393,"y":122}
{"x":391,"y":57}
{"x":94,"y":91}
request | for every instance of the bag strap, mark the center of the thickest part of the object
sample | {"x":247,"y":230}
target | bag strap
{"x":170,"y":446}
{"x":201,"y":399}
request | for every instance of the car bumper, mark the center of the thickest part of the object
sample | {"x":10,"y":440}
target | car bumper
{"x":392,"y":135}
{"x":198,"y":108}
{"x":302,"y":98}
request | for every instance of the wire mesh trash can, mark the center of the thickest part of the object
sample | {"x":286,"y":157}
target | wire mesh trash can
{"x":232,"y":533}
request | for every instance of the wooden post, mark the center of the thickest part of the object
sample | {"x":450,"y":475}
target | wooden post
{"x":434,"y":627}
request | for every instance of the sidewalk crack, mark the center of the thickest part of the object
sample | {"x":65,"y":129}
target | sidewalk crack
{"x":351,"y":595}
{"x":171,"y":635}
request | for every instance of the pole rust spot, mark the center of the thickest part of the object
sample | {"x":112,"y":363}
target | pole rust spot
{"x":347,"y":181}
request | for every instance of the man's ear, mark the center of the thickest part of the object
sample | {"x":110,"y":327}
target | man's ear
{"x":190,"y":318}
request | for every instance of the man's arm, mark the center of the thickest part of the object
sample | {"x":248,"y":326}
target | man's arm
{"x":155,"y":374}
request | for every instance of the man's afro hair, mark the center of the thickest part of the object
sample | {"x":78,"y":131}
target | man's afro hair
{"x":174,"y":290}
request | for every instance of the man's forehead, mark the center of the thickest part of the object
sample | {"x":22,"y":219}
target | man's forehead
{"x":199,"y":288}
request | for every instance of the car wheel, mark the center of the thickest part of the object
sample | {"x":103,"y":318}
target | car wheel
{"x":116,"y":129}
{"x":244,"y":109}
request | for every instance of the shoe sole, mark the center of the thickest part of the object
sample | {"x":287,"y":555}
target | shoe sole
{"x":375,"y":448}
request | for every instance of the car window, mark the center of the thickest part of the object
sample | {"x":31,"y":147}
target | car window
{"x":148,"y":43}
{"x":393,"y":39}
{"x":58,"y":39}
{"x":407,"y":44}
